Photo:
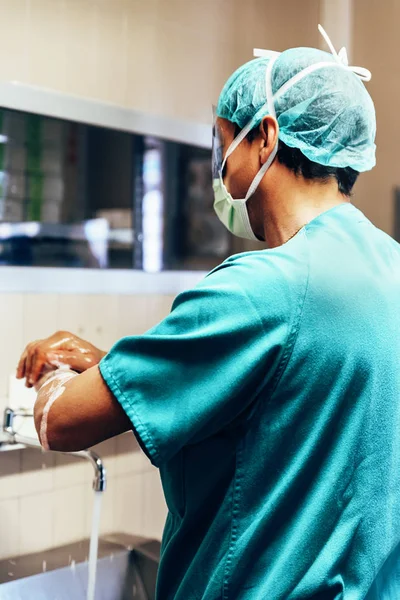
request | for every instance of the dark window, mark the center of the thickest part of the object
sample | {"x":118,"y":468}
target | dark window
{"x":75,"y":195}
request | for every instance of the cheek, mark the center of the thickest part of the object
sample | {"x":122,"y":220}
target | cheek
{"x":241,"y":168}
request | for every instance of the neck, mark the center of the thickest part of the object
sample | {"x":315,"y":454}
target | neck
{"x":292,"y":202}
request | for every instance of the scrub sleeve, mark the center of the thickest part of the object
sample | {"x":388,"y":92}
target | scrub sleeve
{"x":200,"y":368}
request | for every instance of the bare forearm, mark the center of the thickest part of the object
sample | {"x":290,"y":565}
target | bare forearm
{"x":81,"y":415}
{"x":51,"y":388}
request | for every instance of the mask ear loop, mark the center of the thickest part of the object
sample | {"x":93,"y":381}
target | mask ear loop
{"x":271,"y":109}
{"x":240,"y":137}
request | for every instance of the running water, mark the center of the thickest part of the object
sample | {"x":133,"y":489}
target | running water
{"x":94,"y":543}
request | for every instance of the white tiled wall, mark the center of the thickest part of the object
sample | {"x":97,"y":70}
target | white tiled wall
{"x":46,"y":499}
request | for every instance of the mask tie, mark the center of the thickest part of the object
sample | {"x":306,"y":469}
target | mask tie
{"x":342,"y":58}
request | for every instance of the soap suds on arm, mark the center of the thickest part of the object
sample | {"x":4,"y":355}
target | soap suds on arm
{"x":51,"y":388}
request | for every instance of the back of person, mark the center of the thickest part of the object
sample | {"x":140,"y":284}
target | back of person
{"x":298,"y":496}
{"x":327,"y":442}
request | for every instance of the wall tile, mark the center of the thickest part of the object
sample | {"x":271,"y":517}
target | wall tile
{"x":47,"y":43}
{"x":142,"y":78}
{"x":132,"y":319}
{"x":101,"y":319}
{"x":14,"y":20}
{"x":80,"y":30}
{"x":129,"y":457}
{"x":71,"y":471}
{"x":71,"y":314}
{"x":179,"y":71}
{"x":37,"y":472}
{"x":69,"y":514}
{"x":109,"y":326}
{"x":187,"y":15}
{"x":10,"y":466}
{"x":3,"y":400}
{"x":84,"y":315}
{"x":36,"y":524}
{"x":137,"y":314}
{"x":9,"y":528}
{"x":128,"y":504}
{"x":11,"y":334}
{"x":111,"y":50}
{"x":158,"y":307}
{"x":39,"y":316}
{"x":155,"y":508}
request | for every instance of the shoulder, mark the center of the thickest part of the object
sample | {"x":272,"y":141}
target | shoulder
{"x":272,"y":281}
{"x":265,"y":271}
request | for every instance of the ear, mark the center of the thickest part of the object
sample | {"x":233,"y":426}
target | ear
{"x":269,"y":130}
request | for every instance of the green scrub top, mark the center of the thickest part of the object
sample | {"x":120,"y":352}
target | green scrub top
{"x":270,"y":401}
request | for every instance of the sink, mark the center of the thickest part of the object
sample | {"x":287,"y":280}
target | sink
{"x":126,"y":569}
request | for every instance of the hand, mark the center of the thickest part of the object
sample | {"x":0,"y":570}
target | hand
{"x":62,"y":348}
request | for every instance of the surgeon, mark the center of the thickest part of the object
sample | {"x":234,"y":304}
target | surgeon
{"x":269,"y":398}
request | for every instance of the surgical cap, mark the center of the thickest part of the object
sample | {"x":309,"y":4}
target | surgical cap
{"x":326,"y":113}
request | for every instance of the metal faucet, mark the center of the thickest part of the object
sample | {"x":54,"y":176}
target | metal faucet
{"x":99,"y":479}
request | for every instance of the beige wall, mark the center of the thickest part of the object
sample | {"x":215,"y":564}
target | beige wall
{"x":375,"y":46}
{"x":167,"y":57}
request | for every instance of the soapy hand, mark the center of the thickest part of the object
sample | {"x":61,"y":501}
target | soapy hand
{"x":61,"y":349}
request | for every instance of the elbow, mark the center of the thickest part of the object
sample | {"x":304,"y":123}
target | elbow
{"x":53,"y":429}
{"x":62,"y":439}
{"x":46,"y":430}
{"x":55,"y":420}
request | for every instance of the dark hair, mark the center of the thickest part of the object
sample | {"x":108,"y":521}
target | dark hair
{"x":299,"y":164}
{"x":295,"y":160}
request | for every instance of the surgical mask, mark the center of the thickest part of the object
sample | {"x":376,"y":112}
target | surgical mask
{"x":232,"y":212}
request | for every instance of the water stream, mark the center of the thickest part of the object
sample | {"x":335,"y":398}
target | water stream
{"x":94,"y":544}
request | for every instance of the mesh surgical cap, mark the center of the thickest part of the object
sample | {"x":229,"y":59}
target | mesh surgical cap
{"x":325,"y":111}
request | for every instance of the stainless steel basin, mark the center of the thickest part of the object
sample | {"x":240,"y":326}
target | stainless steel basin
{"x":126,"y":569}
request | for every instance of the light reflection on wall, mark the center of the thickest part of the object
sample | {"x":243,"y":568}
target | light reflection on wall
{"x":153,"y":207}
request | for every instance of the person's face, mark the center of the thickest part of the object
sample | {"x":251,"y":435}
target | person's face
{"x":240,"y":169}
{"x":243,"y":164}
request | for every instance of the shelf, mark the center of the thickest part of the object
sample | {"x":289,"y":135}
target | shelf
{"x":52,"y":280}
{"x":91,"y":230}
